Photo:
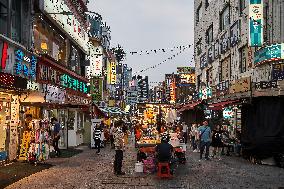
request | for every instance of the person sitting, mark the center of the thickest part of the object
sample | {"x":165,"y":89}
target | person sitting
{"x":164,"y":152}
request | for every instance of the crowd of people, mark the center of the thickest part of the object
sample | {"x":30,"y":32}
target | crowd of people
{"x":223,"y":142}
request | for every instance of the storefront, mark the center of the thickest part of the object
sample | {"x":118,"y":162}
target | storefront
{"x":18,"y":66}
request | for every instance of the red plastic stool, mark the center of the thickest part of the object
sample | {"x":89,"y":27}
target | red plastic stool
{"x":164,"y":170}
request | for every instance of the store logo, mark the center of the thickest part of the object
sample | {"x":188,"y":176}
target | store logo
{"x":4,"y":56}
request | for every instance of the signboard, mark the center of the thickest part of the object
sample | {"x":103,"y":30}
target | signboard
{"x":241,"y":85}
{"x":269,"y":53}
{"x":25,"y":145}
{"x":224,"y":43}
{"x":50,"y":75}
{"x":222,"y":88}
{"x":216,"y":50}
{"x":96,"y":62}
{"x":96,"y":89}
{"x":266,"y":85}
{"x":203,"y":61}
{"x":278,"y":72}
{"x":205,"y":93}
{"x":67,"y":22}
{"x":111,"y":73}
{"x":94,"y":123}
{"x":228,"y":113}
{"x":188,"y":70}
{"x":210,"y":54}
{"x":173,"y":91}
{"x":75,"y":99}
{"x":54,"y":94}
{"x":16,"y":61}
{"x":255,"y":23}
{"x":235,"y":34}
{"x":187,"y":78}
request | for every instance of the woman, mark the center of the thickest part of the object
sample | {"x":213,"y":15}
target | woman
{"x":192,"y":136}
{"x":217,"y":142}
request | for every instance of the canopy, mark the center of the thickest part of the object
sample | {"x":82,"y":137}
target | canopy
{"x":189,"y":106}
{"x":112,"y":110}
{"x":221,"y":105}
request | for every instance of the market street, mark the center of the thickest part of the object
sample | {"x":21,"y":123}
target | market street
{"x":89,"y":170}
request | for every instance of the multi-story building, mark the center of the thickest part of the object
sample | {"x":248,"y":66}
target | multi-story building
{"x":239,"y":56}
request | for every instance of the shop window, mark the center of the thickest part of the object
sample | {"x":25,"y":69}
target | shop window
{"x":198,"y":13}
{"x":48,"y":41}
{"x":243,"y":59}
{"x":71,"y":120}
{"x":3,"y":17}
{"x":226,"y":69}
{"x":209,"y":34}
{"x":198,"y":47}
{"x":225,"y":18}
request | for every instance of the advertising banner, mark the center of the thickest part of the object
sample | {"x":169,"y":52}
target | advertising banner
{"x":96,"y":89}
{"x":269,"y":53}
{"x":255,"y":23}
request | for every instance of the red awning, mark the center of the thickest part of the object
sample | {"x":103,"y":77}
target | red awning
{"x":221,"y":105}
{"x":189,"y":106}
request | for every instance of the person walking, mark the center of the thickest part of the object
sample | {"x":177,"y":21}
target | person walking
{"x":111,"y":136}
{"x":205,"y":135}
{"x":192,"y":137}
{"x":56,"y":135}
{"x":184,"y":130}
{"x":97,"y":134}
{"x":217,"y":143}
{"x":119,"y":147}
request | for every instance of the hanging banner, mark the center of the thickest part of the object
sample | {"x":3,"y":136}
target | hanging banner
{"x":112,"y":73}
{"x":255,"y":23}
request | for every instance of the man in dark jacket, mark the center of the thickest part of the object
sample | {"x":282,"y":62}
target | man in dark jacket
{"x":97,"y":137}
{"x":56,"y":135}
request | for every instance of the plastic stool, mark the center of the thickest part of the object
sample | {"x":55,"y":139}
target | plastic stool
{"x":164,"y":170}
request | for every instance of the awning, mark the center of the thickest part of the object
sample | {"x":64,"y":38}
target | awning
{"x":221,"y":105}
{"x":189,"y":106}
{"x":112,"y":110}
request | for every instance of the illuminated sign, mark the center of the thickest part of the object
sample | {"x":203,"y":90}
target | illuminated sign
{"x":96,"y":89}
{"x":25,"y":66}
{"x":75,"y":84}
{"x":269,"y":53}
{"x":4,"y":56}
{"x":205,"y":93}
{"x":67,"y":22}
{"x":173,"y":91}
{"x":228,"y":113}
{"x":255,"y":23}
{"x":112,"y":73}
{"x":49,"y":75}
{"x":187,"y":78}
{"x":11,"y":81}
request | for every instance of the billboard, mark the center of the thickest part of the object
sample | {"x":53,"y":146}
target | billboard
{"x":111,"y":76}
{"x":255,"y":23}
{"x":269,"y":53}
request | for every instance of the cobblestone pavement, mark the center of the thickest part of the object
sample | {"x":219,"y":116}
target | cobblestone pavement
{"x":88,"y":170}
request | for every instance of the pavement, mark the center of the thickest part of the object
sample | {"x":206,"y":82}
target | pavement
{"x":88,"y":170}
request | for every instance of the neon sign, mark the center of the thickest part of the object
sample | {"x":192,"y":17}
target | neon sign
{"x":75,"y":84}
{"x":4,"y":56}
{"x":25,"y":66}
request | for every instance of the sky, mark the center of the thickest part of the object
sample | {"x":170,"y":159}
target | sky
{"x":147,"y":25}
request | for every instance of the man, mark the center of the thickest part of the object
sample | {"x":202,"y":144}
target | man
{"x":184,"y":130}
{"x":97,"y":134}
{"x":56,"y":135}
{"x":119,"y":147}
{"x":205,"y":136}
{"x":111,"y":136}
{"x":164,"y":150}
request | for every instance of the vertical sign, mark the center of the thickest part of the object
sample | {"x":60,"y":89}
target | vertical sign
{"x":96,"y":89}
{"x":255,"y":23}
{"x":173,"y":91}
{"x":112,"y":73}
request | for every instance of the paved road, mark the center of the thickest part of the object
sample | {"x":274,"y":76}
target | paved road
{"x":88,"y":170}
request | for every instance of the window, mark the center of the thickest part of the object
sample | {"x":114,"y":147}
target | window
{"x":198,"y":13}
{"x":243,"y":5}
{"x":209,"y":34}
{"x":243,"y":59}
{"x":48,"y":41}
{"x":198,"y":47}
{"x":3,"y":17}
{"x":16,"y":20}
{"x":206,"y":3}
{"x":225,"y":18}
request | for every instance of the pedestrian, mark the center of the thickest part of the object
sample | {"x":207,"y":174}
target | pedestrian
{"x":193,"y":138}
{"x":217,"y":143}
{"x":205,"y":136}
{"x":111,"y":136}
{"x":56,"y":135}
{"x":185,"y":131}
{"x":97,"y":134}
{"x":119,"y":147}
